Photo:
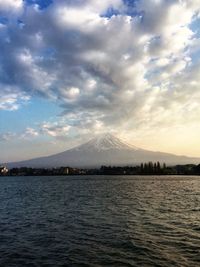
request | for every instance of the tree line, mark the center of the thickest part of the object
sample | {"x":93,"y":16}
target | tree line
{"x":153,"y":168}
{"x":146,"y":168}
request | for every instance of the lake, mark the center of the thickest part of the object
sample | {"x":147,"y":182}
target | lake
{"x":100,"y":221}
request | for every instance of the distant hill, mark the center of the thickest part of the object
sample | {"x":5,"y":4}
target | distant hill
{"x":103,"y":150}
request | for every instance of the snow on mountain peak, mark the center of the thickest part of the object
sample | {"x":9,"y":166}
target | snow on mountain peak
{"x":105,"y":142}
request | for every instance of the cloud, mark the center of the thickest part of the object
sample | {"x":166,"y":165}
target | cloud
{"x":29,"y":133}
{"x":11,"y":7}
{"x":108,"y":69}
{"x":11,"y":98}
{"x":54,"y":129}
{"x":5,"y":137}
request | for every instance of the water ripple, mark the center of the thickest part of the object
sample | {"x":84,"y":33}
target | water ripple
{"x":99,"y":221}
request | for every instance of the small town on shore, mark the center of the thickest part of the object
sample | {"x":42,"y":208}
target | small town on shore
{"x":149,"y":168}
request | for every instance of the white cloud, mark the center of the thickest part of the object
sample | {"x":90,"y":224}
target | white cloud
{"x":11,"y":6}
{"x":84,"y":16}
{"x":55,"y":129}
{"x":105,"y":72}
{"x":11,"y":98}
{"x":70,"y":94}
{"x":5,"y":137}
{"x":75,"y":18}
{"x":29,"y":133}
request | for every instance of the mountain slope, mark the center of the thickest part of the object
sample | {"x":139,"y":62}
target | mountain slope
{"x":103,"y":150}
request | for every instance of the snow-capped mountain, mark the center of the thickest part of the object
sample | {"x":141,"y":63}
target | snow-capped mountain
{"x":105,"y":142}
{"x":103,"y":150}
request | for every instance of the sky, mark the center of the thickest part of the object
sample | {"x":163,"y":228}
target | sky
{"x":75,"y":68}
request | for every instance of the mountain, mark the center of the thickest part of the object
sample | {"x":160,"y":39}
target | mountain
{"x":103,"y":150}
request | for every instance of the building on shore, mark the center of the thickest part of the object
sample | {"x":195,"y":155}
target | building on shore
{"x":3,"y":170}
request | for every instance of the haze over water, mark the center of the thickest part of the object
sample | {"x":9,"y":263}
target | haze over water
{"x":99,"y":221}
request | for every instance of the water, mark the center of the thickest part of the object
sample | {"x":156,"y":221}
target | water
{"x":99,"y":221}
